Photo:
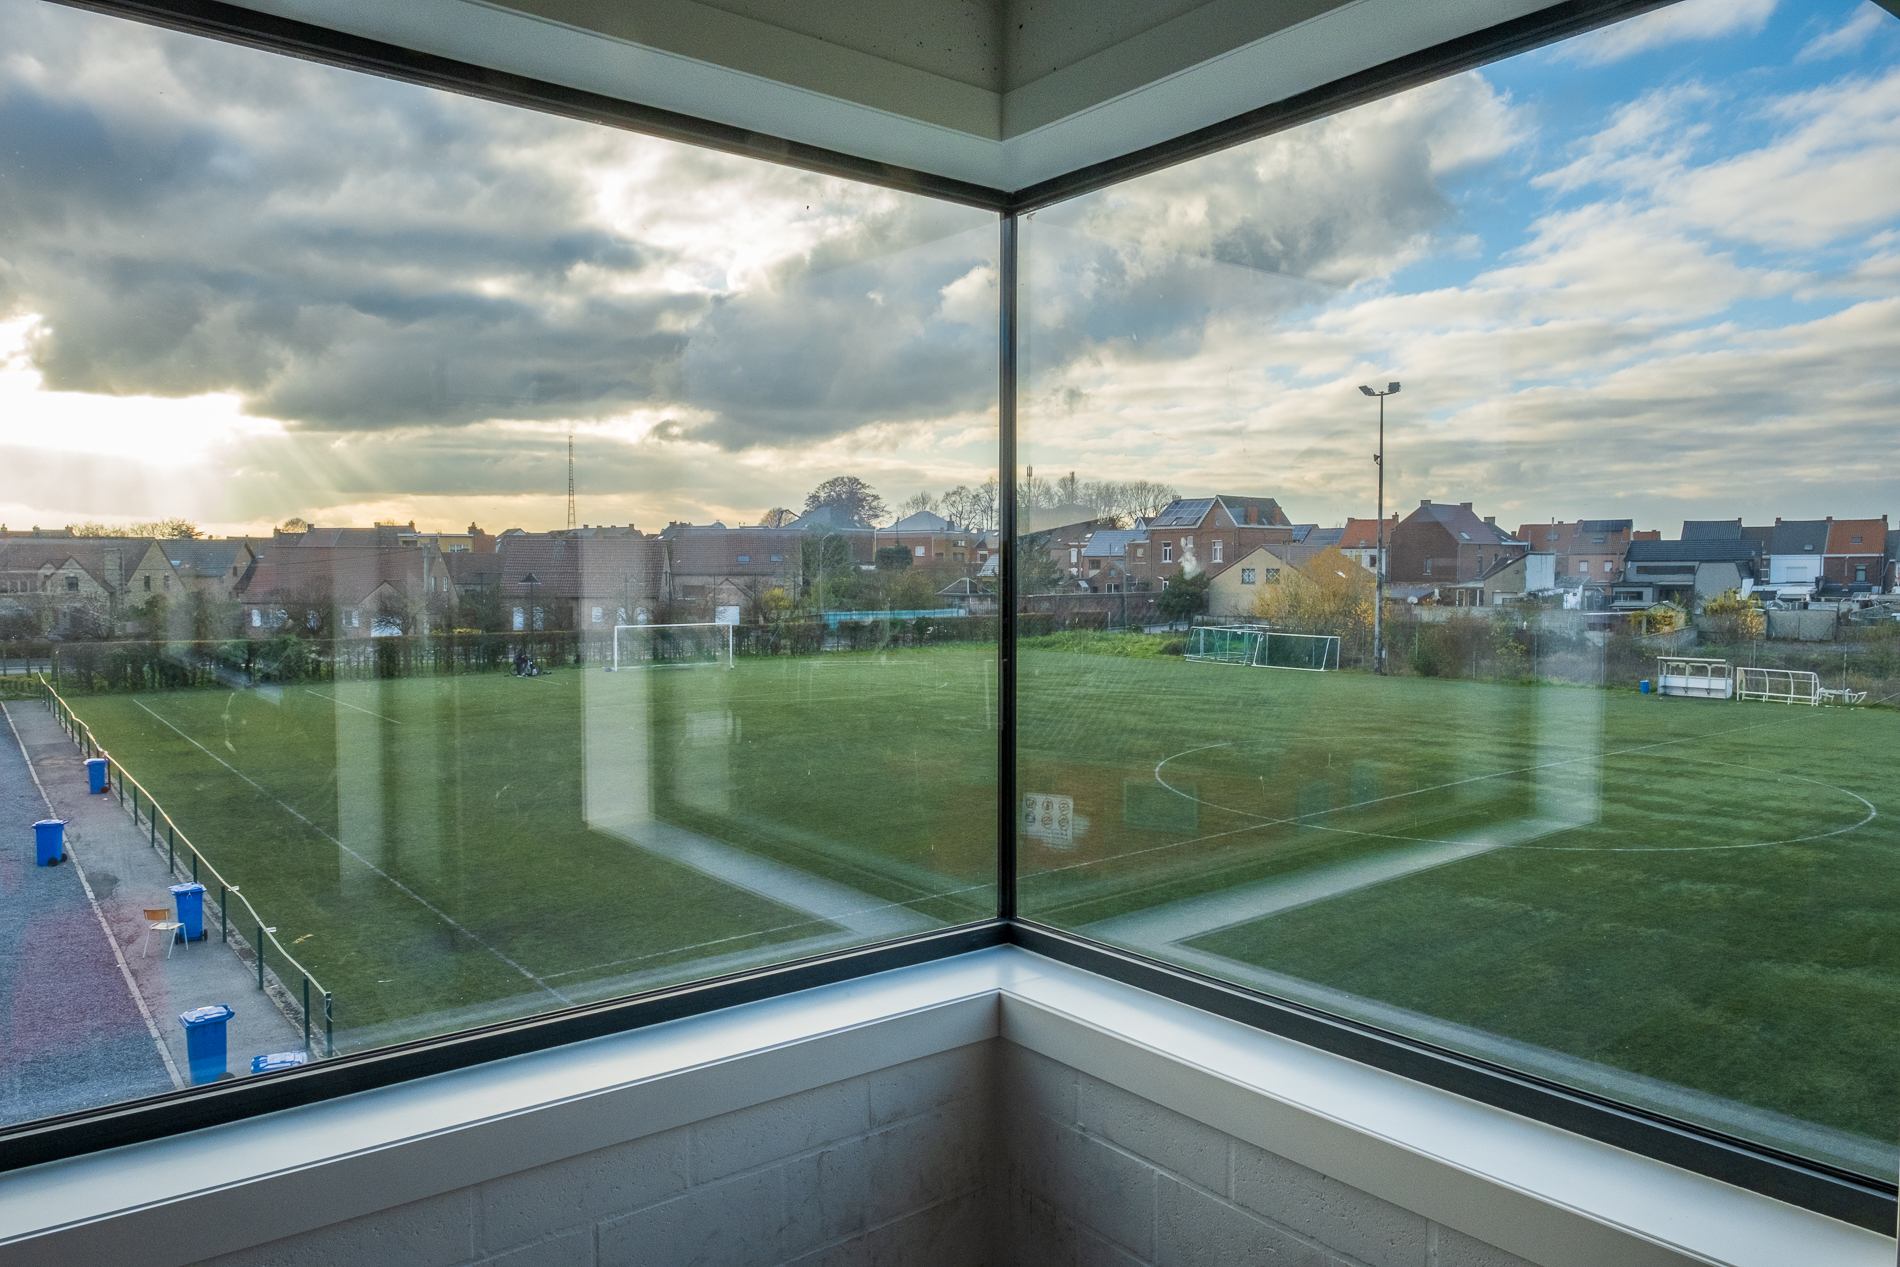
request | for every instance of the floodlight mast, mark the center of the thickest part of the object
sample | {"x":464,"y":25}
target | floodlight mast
{"x":1378,"y":571}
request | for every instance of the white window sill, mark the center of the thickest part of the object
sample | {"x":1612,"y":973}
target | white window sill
{"x":1536,"y":1191}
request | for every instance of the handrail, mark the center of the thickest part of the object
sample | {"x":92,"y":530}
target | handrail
{"x":82,"y":734}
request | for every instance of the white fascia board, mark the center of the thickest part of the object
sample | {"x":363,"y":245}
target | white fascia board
{"x":915,"y":119}
{"x":1551,"y":1196}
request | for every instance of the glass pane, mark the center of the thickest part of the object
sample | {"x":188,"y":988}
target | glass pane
{"x":1619,"y":809}
{"x":474,"y":531}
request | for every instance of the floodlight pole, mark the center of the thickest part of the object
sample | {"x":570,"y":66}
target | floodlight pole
{"x":1378,"y":572}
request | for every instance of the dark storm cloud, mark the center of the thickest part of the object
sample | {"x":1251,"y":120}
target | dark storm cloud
{"x":348,"y":253}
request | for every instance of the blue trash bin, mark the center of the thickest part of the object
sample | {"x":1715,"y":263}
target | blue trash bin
{"x":278,"y":1060}
{"x":49,"y":840}
{"x":190,"y":900}
{"x":1645,"y":686}
{"x":96,"y":773}
{"x":204,"y":1041}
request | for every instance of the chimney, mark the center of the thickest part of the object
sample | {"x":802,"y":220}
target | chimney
{"x":1253,"y":514}
{"x":1466,"y":505}
{"x":1424,"y":501}
{"x":1492,"y":520}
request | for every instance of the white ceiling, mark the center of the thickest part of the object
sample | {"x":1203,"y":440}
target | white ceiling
{"x":1002,"y":93}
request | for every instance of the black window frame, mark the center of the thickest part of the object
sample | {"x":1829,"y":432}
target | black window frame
{"x":1828,"y":1190}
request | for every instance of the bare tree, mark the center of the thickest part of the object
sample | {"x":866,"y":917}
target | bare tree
{"x":1145,"y":499}
{"x":849,"y":494}
{"x":915,"y":503}
{"x":777,"y":517}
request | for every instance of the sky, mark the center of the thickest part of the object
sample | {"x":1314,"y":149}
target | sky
{"x":1653,"y":272}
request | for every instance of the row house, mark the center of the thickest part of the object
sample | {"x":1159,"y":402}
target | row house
{"x":1857,"y":553}
{"x":1442,"y":543}
{"x":216,"y":566}
{"x":341,"y":591}
{"x":1359,"y":540}
{"x":713,"y":566}
{"x":588,"y":579}
{"x":932,"y":540}
{"x":1587,"y":551}
{"x":1195,"y":533}
{"x":1686,"y":572}
{"x":82,"y":586}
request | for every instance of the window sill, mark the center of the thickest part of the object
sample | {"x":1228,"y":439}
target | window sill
{"x":1550,"y":1196}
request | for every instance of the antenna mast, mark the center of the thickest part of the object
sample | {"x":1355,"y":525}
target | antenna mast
{"x":570,"y":481}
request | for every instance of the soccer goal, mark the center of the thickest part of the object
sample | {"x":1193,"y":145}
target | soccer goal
{"x":1223,"y":644}
{"x":1314,"y":653}
{"x":1781,"y":686}
{"x":698,"y":646}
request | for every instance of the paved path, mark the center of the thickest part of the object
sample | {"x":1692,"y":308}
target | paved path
{"x":74,"y":1035}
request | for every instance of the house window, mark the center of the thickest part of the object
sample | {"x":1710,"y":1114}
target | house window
{"x":1246,"y":576}
{"x":166,"y":581}
{"x":257,"y":618}
{"x":1217,"y":545}
{"x":1072,"y":553}
{"x":520,"y":622}
{"x":1141,"y":552}
{"x":72,"y":584}
{"x":148,"y":584}
{"x":920,"y":554}
{"x":1167,"y":552}
{"x":1428,"y":567}
{"x":1860,"y":573}
{"x":599,"y":613}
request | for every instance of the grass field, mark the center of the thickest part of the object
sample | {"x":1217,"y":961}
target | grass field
{"x":1700,"y":894}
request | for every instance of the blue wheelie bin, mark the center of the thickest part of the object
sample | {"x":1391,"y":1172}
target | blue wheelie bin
{"x":96,"y":774}
{"x":49,"y":840}
{"x":190,"y":900}
{"x":204,"y":1041}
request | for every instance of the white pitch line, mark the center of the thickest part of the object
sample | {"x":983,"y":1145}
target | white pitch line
{"x":334,"y":700}
{"x":421,"y":901}
{"x":125,"y":969}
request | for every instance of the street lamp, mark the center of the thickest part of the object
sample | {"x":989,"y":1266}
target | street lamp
{"x":1378,"y":573}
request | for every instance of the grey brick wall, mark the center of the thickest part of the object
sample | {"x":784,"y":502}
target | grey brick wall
{"x":984,"y":1156}
{"x":887,"y":1169}
{"x":1095,"y":1176}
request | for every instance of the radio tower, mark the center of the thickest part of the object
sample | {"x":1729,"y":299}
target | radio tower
{"x":571,"y":525}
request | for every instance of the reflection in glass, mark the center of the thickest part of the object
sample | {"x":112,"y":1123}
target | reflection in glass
{"x":525,"y":563}
{"x":1639,"y":290}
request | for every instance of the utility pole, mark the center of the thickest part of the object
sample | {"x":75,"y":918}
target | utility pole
{"x":1378,"y":601}
{"x":571,"y":523}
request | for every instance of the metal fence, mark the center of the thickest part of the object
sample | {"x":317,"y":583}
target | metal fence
{"x":178,"y":851}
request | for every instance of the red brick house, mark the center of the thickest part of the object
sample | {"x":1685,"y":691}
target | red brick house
{"x":1446,"y":543}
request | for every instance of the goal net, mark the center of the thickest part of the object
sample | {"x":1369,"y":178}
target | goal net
{"x":1783,"y":686}
{"x":1223,"y":644}
{"x":696,"y":646}
{"x":1263,"y":648}
{"x":1312,"y":652}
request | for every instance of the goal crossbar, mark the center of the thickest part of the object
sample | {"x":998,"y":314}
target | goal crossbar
{"x":1261,"y":647}
{"x":713,"y":638}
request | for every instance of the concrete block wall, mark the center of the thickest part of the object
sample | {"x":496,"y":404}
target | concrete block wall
{"x":891,"y":1168}
{"x":1097,"y":1177}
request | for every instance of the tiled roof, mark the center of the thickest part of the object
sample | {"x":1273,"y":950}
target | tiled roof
{"x":1702,"y":551}
{"x":922,"y":521}
{"x":1711,"y":530}
{"x":1111,"y":543}
{"x":1462,"y":522}
{"x":1872,"y":534}
{"x":1799,"y":536}
{"x":1183,"y":512}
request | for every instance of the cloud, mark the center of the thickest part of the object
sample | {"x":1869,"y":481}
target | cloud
{"x":339,"y":252}
{"x":1673,"y":24}
{"x":1849,"y":36}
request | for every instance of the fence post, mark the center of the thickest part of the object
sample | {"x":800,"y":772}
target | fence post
{"x":171,"y":850}
{"x":194,"y":866}
{"x":135,"y":807}
{"x":152,"y":821}
{"x":306,"y":1014}
{"x":224,"y":925}
{"x":329,"y":1040}
{"x":260,"y":956}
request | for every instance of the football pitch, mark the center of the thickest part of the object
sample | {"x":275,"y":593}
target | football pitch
{"x":1692,"y":895}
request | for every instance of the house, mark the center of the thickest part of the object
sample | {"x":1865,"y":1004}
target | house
{"x":474,"y":541}
{"x":215,"y":566}
{"x":82,"y":586}
{"x":1359,"y":540}
{"x":711,"y":566}
{"x":1512,"y":577}
{"x":1797,"y":551}
{"x":1063,"y":545}
{"x":347,"y":591}
{"x":1231,"y":591}
{"x":1191,"y":533}
{"x":1110,"y":557}
{"x":1686,"y":573}
{"x":1856,"y":552}
{"x":931,"y":539}
{"x":1587,"y":551}
{"x":1442,"y":543}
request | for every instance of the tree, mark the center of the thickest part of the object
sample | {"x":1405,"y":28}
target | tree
{"x":1330,"y":595}
{"x":293,"y":524}
{"x":167,"y":529}
{"x":1144,"y":499}
{"x":892,"y":558}
{"x":777,"y":517}
{"x":849,"y":494}
{"x":1185,"y":597}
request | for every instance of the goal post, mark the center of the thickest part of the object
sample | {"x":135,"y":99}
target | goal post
{"x":1312,"y":653}
{"x":1223,"y":644}
{"x":1780,"y":686}
{"x":707,"y":645}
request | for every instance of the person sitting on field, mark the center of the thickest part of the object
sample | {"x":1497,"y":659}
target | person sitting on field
{"x":521,"y":663}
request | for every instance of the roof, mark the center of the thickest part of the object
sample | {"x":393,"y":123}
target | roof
{"x":221,"y":557}
{"x":1112,"y":543}
{"x":1872,"y":534}
{"x":1268,"y":510}
{"x":1707,"y":550}
{"x":1605,"y":526}
{"x":828,"y":519}
{"x":1183,"y":512}
{"x":1461,"y":521}
{"x":348,"y":574}
{"x":1363,"y":534}
{"x":1711,"y":529}
{"x":1322,"y":537}
{"x":720,"y":551}
{"x":1799,"y":536}
{"x":380,"y":535}
{"x":922,"y":521}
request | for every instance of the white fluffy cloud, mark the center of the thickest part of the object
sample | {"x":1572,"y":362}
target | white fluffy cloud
{"x":1688,"y":20}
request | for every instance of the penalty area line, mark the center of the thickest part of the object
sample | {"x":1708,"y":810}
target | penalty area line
{"x":334,"y":700}
{"x":408,"y":892}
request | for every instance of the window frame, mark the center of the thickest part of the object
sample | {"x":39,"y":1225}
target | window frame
{"x":1837,"y":1193}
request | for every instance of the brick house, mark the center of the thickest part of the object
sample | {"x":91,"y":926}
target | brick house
{"x":1442,"y":543}
{"x":1856,"y":552}
{"x":932,"y":540}
{"x":1211,"y":532}
{"x":715,"y":566}
{"x":1588,"y":551}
